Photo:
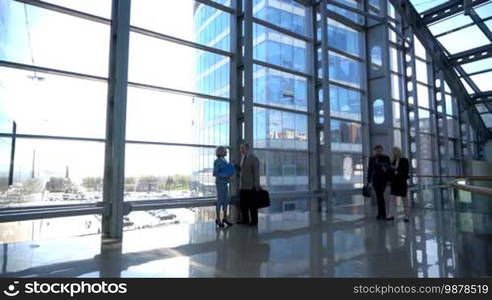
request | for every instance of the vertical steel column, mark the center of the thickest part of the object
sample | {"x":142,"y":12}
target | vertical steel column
{"x":247,"y":62}
{"x":235,"y":91}
{"x":437,"y":161}
{"x":12,"y":154}
{"x":365,"y":112}
{"x":465,"y":136}
{"x":410,"y":88}
{"x":459,"y":155}
{"x":325,"y":66}
{"x":114,"y":160}
{"x":442,"y":134}
{"x":313,"y":112}
{"x":379,"y":81}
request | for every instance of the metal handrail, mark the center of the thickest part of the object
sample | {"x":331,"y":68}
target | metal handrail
{"x":464,"y":187}
{"x":473,"y":189}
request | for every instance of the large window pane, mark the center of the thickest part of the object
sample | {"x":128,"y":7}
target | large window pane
{"x":346,"y":13}
{"x":164,"y":117}
{"x":425,"y":121}
{"x":47,"y":104}
{"x":483,"y":81}
{"x":396,"y":82}
{"x":487,"y":119}
{"x":453,"y":127}
{"x":344,"y":38}
{"x":283,"y":171}
{"x":421,"y":71}
{"x":346,"y":136}
{"x":100,"y":8}
{"x":45,"y":38}
{"x":153,"y":61}
{"x":463,"y":40}
{"x":55,"y":172}
{"x":287,"y":14}
{"x":345,"y":70}
{"x":161,"y":172}
{"x":280,"y":89}
{"x":450,"y":103}
{"x":184,"y":19}
{"x":426,"y":149}
{"x":347,"y":170}
{"x":397,"y":120}
{"x":423,"y":95}
{"x":394,"y":60}
{"x":345,"y":103}
{"x":279,"y":129}
{"x":5,"y":151}
{"x":279,"y":49}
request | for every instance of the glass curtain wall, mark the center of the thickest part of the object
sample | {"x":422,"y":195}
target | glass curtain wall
{"x":180,"y":92}
{"x":178,"y":98}
{"x":347,"y":97}
{"x":53,"y":85}
{"x":280,"y":93}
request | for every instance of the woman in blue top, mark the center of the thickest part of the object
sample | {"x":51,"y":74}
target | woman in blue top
{"x":222,"y":179}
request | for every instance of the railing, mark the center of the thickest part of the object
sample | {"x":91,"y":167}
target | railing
{"x":457,"y":183}
{"x":11,"y":214}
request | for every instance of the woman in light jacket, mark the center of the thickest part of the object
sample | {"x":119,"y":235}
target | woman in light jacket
{"x":222,"y":185}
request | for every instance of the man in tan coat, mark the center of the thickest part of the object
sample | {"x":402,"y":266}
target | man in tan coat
{"x":249,"y":182}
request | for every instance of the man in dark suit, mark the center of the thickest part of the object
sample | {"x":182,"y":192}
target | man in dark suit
{"x":249,"y":182}
{"x":378,"y":177}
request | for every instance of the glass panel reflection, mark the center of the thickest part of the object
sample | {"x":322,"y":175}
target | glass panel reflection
{"x":279,"y":49}
{"x":33,"y":35}
{"x":185,"y":19}
{"x":288,"y":14}
{"x":48,"y":172}
{"x":279,"y":130}
{"x":168,"y":172}
{"x":280,"y":89}
{"x":165,"y":117}
{"x":153,"y":61}
{"x":347,"y":170}
{"x":53,"y":105}
{"x":283,"y":170}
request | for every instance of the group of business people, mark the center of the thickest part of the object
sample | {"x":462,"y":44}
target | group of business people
{"x":248,"y":170}
{"x":384,"y":172}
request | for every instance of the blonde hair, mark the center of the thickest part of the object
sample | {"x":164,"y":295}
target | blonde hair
{"x":221,"y":151}
{"x":397,"y":150}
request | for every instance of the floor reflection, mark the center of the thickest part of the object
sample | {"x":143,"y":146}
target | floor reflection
{"x":347,"y":242}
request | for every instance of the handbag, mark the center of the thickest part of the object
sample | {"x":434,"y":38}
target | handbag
{"x":262,"y":198}
{"x":366,"y":191}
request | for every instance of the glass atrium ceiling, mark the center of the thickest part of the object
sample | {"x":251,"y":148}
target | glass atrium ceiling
{"x":463,"y":29}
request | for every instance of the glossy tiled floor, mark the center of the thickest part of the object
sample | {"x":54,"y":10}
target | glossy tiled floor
{"x":346,"y":243}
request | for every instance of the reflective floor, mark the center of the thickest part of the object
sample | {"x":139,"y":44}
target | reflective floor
{"x":348,"y":242}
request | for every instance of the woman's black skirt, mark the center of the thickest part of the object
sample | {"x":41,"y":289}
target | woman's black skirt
{"x":399,"y":186}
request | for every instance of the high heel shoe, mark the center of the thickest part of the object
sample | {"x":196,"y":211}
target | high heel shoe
{"x":229,"y":224}
{"x":220,"y":224}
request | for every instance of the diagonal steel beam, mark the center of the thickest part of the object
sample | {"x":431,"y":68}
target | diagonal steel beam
{"x":471,"y":55}
{"x":479,"y":22}
{"x":445,"y":10}
{"x":420,"y":29}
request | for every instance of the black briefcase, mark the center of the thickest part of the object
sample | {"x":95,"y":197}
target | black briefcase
{"x":262,"y":198}
{"x":366,"y":191}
